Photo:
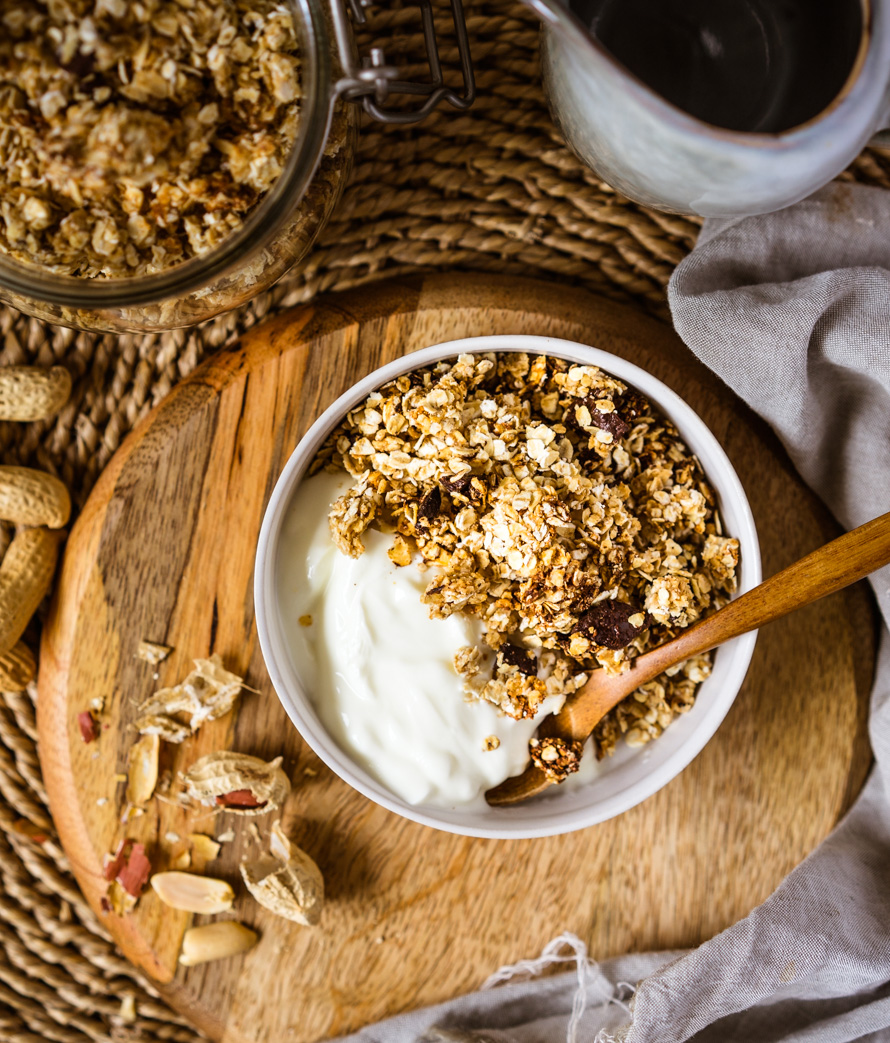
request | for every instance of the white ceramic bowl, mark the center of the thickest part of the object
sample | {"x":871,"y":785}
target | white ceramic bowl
{"x":630,"y":775}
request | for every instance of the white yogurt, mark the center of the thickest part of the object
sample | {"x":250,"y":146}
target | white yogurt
{"x":380,"y":672}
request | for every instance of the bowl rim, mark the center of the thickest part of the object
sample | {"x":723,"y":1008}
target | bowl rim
{"x":288,"y":687}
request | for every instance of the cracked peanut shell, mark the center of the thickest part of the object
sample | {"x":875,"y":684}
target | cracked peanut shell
{"x":207,"y":693}
{"x":255,"y":786}
{"x":287,"y":882}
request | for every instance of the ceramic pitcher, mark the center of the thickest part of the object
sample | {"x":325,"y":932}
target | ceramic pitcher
{"x":780,"y":95}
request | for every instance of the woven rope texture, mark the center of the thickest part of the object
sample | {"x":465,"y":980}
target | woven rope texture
{"x":491,"y":190}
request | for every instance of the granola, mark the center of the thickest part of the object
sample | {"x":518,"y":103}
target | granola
{"x":556,"y":505}
{"x":557,"y":758}
{"x":134,"y":136}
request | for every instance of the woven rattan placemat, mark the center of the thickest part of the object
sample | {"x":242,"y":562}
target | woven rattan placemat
{"x":492,"y":190}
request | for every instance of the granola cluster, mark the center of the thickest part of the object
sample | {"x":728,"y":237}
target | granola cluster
{"x":135,"y":135}
{"x":557,"y":758}
{"x":553,"y":503}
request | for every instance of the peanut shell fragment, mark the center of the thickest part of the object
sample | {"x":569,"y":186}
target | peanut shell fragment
{"x":204,"y":847}
{"x":142,"y":769}
{"x":182,"y":861}
{"x":25,"y":577}
{"x":193,"y":893}
{"x":31,"y":497}
{"x":215,"y":941}
{"x":217,"y":776}
{"x":17,"y":668}
{"x":209,"y":692}
{"x":288,"y":882}
{"x":33,"y":393}
{"x":152,"y":652}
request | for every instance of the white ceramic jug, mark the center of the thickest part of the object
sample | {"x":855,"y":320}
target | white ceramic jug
{"x":717,"y":107}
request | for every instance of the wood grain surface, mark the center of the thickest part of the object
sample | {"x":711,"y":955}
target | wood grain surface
{"x":164,"y":551}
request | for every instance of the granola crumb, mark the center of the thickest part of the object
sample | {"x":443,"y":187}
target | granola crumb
{"x":491,"y":742}
{"x":306,"y":621}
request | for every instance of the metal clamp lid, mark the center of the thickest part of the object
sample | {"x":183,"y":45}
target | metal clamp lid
{"x":374,"y":83}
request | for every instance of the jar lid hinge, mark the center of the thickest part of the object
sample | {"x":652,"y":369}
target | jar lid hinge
{"x":375,"y":83}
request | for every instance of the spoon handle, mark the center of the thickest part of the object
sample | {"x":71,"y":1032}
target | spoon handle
{"x":830,"y":568}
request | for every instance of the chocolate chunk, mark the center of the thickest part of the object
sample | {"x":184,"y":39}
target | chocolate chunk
{"x":431,"y":504}
{"x":611,"y":422}
{"x":80,"y":66}
{"x":518,"y":657}
{"x":607,"y":624}
{"x":470,"y":486}
{"x":628,"y":407}
{"x":459,"y":484}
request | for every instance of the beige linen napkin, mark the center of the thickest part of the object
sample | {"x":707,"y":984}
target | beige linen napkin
{"x":792,"y":310}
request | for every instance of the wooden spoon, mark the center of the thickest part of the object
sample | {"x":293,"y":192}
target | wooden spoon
{"x":830,"y":568}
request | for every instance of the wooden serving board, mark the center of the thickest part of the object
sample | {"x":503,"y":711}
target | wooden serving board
{"x":164,"y":550}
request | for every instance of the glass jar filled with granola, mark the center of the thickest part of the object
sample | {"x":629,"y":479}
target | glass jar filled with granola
{"x":162,"y":161}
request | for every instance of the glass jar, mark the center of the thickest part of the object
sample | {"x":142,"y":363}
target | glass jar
{"x":282,"y":228}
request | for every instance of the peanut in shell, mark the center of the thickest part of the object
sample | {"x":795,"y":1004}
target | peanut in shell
{"x":31,"y":497}
{"x":26,"y":574}
{"x":217,"y":776}
{"x":17,"y":668}
{"x":32,"y":392}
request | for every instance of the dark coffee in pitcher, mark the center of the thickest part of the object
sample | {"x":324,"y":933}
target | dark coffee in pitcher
{"x":751,"y":65}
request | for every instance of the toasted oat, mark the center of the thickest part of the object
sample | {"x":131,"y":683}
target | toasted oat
{"x":553,"y":503}
{"x":137,"y":135}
